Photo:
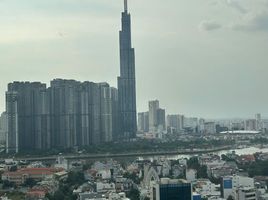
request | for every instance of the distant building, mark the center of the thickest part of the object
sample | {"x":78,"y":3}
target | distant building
{"x":250,"y":125}
{"x":210,"y":127}
{"x":220,"y":128}
{"x":171,"y":189}
{"x":201,"y":125}
{"x":161,"y":119}
{"x":175,"y":122}
{"x":191,"y":123}
{"x":3,"y":128}
{"x":237,"y":126}
{"x":143,"y":122}
{"x":157,"y":117}
{"x":259,"y":123}
{"x":265,"y":125}
{"x":153,"y":108}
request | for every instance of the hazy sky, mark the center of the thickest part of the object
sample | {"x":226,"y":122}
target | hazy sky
{"x":204,"y":58}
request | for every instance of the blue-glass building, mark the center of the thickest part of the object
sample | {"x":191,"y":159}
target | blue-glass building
{"x":169,"y":189}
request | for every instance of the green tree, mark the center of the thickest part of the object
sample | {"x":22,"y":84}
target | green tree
{"x":7,"y":184}
{"x":133,"y":177}
{"x":193,"y":163}
{"x":13,"y":168}
{"x":30,"y":182}
{"x":134,"y":194}
{"x":230,"y":197}
{"x":76,"y":178}
{"x":59,"y":195}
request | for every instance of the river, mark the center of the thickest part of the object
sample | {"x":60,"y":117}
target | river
{"x":243,"y":151}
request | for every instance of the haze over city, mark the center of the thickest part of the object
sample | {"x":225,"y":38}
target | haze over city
{"x":199,"y":58}
{"x":133,"y":100}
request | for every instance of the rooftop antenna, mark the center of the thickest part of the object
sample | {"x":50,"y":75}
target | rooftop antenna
{"x":125,"y":4}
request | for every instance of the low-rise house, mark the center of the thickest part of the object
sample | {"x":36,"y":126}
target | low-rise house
{"x":246,"y":159}
{"x":37,"y":194}
{"x":207,"y":189}
{"x":177,"y":171}
{"x":20,"y":176}
{"x":123,"y":184}
{"x":191,"y":175}
{"x":105,"y":187}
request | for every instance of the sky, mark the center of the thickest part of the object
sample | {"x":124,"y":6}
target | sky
{"x":204,"y":58}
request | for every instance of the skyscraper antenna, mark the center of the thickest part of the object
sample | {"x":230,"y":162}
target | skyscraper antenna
{"x":125,"y":4}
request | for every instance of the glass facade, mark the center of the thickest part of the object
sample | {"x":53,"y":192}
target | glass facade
{"x":176,"y":192}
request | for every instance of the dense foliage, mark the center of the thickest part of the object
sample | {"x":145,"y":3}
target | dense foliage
{"x":259,"y":168}
{"x":133,"y":194}
{"x":67,"y":186}
{"x":201,"y":170}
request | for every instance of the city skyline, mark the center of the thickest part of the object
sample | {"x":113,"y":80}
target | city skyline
{"x":221,"y":82}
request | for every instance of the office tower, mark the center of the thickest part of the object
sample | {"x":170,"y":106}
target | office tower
{"x":157,"y":117}
{"x":191,"y":123}
{"x":143,"y":121}
{"x":28,"y":116}
{"x":12,"y":139}
{"x":259,"y":122}
{"x":210,"y":127}
{"x":175,"y":122}
{"x":153,"y":108}
{"x":126,"y":80}
{"x":171,"y":189}
{"x":161,"y":119}
{"x":3,"y":127}
{"x":250,"y":125}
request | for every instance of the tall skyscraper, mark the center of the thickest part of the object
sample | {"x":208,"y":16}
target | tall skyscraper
{"x":65,"y":112}
{"x":28,"y":116}
{"x":12,"y":139}
{"x":65,"y":115}
{"x":126,"y":80}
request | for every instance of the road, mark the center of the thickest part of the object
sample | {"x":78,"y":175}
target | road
{"x":122,"y":155}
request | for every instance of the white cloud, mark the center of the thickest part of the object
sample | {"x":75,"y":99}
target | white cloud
{"x":209,"y":25}
{"x":253,"y":22}
{"x":236,"y":5}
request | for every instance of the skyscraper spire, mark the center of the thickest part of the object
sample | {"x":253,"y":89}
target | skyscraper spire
{"x":127,"y":81}
{"x":125,"y":5}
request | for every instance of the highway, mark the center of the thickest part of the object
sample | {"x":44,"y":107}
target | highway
{"x":121,"y":155}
